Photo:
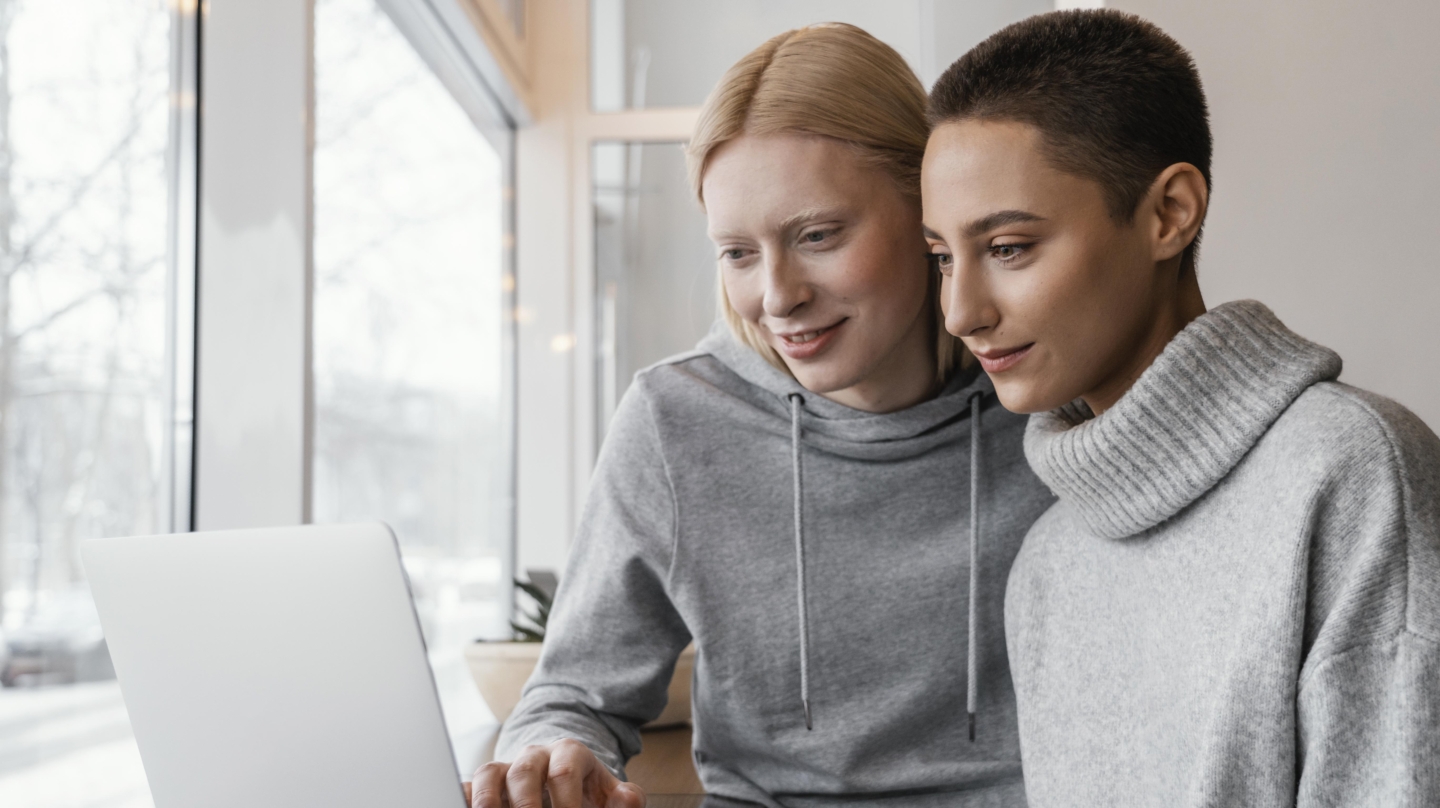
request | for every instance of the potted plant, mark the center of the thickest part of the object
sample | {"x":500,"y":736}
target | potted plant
{"x":501,"y":668}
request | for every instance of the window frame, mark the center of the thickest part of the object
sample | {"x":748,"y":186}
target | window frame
{"x":251,"y":458}
{"x":183,"y":177}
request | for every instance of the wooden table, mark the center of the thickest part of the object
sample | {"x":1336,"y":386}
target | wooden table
{"x":665,"y":765}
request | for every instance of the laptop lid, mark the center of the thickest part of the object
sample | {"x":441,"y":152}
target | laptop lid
{"x":281,"y":667}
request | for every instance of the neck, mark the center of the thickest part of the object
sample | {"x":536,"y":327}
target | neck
{"x":1175,"y":311}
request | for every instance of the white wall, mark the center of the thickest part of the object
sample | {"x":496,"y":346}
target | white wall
{"x":1326,"y":118}
{"x":545,"y":252}
{"x":690,"y":45}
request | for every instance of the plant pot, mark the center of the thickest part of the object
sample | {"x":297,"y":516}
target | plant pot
{"x":501,"y":670}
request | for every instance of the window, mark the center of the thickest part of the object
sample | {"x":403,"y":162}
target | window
{"x":654,"y":266}
{"x":92,"y":323}
{"x":412,"y":409}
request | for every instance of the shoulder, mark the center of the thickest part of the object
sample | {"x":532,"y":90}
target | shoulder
{"x":694,"y":396}
{"x":1374,"y":557}
{"x":675,"y":386}
{"x":1363,"y":456}
{"x":685,"y":404}
{"x":678,"y":379}
{"x":1347,"y":429}
{"x":1382,"y":419}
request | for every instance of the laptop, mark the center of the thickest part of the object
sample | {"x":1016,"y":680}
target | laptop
{"x":281,"y":667}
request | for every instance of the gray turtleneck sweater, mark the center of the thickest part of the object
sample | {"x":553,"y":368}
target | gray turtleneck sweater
{"x":821,"y":559}
{"x":1237,"y":599}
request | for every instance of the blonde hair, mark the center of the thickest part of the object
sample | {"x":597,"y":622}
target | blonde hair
{"x":830,"y":80}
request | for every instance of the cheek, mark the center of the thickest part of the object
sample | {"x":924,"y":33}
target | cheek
{"x":1065,"y":296}
{"x":1080,"y":309}
{"x":887,"y":279}
{"x":744,"y":293}
{"x":1030,"y":303}
{"x":855,"y":280}
{"x":1101,"y":298}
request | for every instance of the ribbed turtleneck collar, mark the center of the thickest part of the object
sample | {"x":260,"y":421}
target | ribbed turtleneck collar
{"x":1189,"y":419}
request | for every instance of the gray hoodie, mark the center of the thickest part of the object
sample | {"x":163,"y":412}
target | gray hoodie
{"x":1237,"y":599}
{"x":821,"y":559}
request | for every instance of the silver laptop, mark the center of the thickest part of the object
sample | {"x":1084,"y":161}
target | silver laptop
{"x":280,"y":668}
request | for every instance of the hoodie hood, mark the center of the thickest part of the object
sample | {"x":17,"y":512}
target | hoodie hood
{"x":836,"y":427}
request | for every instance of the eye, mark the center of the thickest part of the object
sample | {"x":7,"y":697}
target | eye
{"x":816,"y":236}
{"x":944,"y":263}
{"x":1008,"y":253}
{"x":732,"y":254}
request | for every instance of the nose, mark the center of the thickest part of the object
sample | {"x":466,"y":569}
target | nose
{"x":786,"y":288}
{"x":965,"y":298}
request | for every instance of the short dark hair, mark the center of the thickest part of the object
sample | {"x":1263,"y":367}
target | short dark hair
{"x":1116,"y":99}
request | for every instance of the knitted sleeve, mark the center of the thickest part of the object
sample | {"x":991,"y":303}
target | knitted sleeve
{"x":1369,"y":695}
{"x":614,"y":634}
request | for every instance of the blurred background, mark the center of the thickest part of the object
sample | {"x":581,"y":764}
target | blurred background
{"x":269,"y":262}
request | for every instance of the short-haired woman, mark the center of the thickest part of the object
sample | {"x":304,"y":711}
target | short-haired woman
{"x":786,"y":495}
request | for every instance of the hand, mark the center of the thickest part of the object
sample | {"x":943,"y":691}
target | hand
{"x":567,"y":769}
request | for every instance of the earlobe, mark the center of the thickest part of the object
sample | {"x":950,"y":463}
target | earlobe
{"x":1181,"y":197}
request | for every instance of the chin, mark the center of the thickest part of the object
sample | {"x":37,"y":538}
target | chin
{"x":821,"y":380}
{"x":1024,"y":397}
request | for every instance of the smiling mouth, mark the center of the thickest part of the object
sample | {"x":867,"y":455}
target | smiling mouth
{"x":999,"y":361}
{"x":808,"y":336}
{"x":805,"y":344}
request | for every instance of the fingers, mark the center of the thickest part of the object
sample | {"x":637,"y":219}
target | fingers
{"x":486,"y":788}
{"x":566,"y":769}
{"x":525,"y":782}
{"x":626,"y":795}
{"x":574,"y":771}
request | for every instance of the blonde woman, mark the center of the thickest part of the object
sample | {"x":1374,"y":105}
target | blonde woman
{"x":787,"y":496}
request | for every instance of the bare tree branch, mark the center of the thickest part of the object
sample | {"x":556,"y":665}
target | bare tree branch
{"x":50,"y":318}
{"x":79,"y":192}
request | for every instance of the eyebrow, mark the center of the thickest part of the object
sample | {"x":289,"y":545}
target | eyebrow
{"x":805,"y":216}
{"x":987,"y":223}
{"x":810,"y":215}
{"x":1000,"y":219}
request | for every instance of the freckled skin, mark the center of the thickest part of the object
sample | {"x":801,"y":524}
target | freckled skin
{"x":808,"y":237}
{"x":1095,"y":299}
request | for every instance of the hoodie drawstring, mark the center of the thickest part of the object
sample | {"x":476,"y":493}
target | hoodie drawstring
{"x":795,"y":401}
{"x":972,"y":667}
{"x":972,"y":688}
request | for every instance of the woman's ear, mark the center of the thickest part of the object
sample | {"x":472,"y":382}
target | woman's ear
{"x":1178,"y":199}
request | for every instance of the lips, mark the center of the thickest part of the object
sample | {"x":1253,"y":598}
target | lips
{"x":805,"y":344}
{"x":1002,"y":359}
{"x":801,"y":339}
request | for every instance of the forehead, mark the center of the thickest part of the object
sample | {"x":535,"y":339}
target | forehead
{"x":755,"y":180}
{"x":973,"y":168}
